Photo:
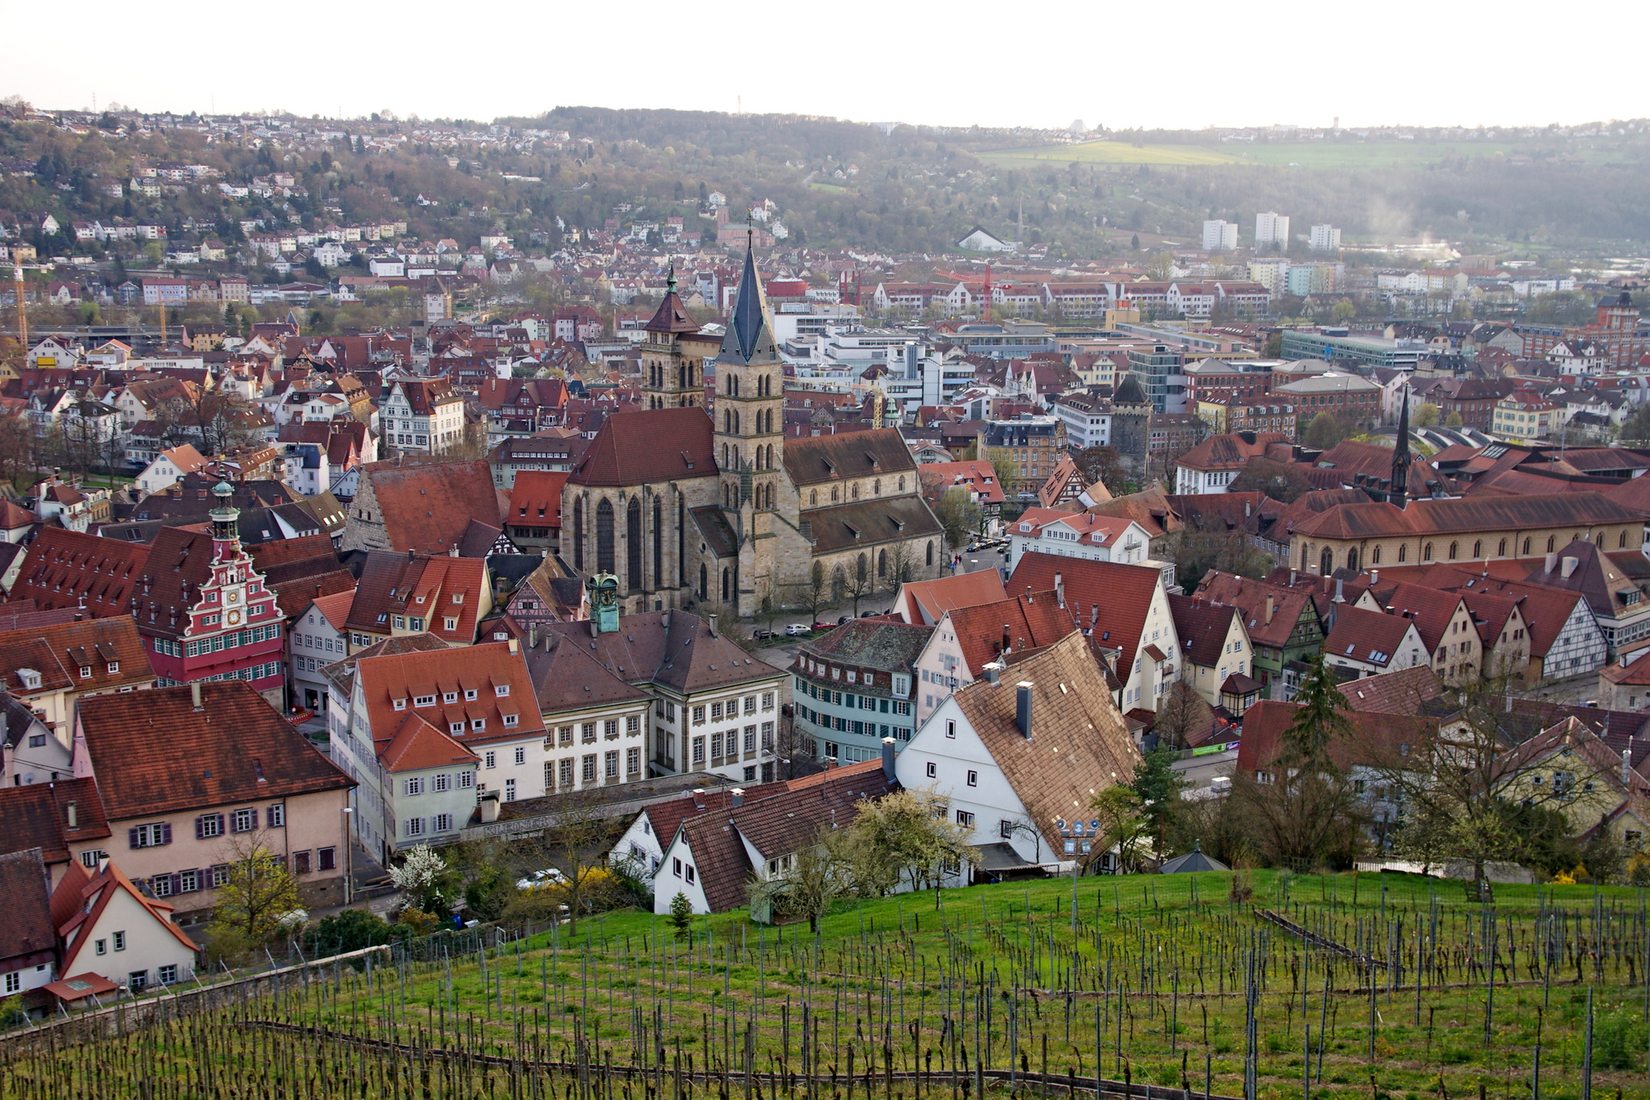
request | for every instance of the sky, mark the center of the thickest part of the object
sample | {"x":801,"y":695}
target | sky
{"x":1186,"y":64}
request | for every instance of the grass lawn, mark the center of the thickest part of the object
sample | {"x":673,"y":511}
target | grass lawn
{"x":1157,"y":984}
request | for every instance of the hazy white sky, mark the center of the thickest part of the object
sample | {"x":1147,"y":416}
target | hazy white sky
{"x":1190,"y":63}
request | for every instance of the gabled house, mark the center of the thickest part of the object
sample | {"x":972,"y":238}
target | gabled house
{"x":1445,"y":626}
{"x":1363,"y":643}
{"x":107,"y":926}
{"x":28,"y":950}
{"x":1568,"y":767}
{"x":856,"y":686}
{"x":595,"y":722}
{"x":926,"y":602}
{"x":29,"y":751}
{"x":713,"y":858}
{"x":1216,"y":656}
{"x":1085,"y":535}
{"x":403,"y":505}
{"x":64,"y":819}
{"x":1020,"y":756}
{"x":49,"y":669}
{"x":413,"y":594}
{"x":1283,"y":626}
{"x":318,"y":638}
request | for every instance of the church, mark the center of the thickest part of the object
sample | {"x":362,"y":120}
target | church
{"x":689,"y":506}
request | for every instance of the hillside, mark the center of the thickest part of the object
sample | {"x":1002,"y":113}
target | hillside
{"x":1160,"y":980}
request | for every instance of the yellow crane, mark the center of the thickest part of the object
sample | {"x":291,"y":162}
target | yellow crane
{"x":22,"y":309}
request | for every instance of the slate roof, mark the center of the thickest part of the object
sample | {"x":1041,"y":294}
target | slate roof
{"x":1079,"y":745}
{"x":63,"y":567}
{"x":27,"y":929}
{"x":37,"y":816}
{"x":817,"y":460}
{"x":567,"y":676}
{"x":749,"y":336}
{"x":153,"y":753}
{"x":649,"y":447}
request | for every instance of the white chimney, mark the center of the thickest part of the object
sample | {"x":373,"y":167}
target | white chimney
{"x":1569,"y":566}
{"x":195,"y":695}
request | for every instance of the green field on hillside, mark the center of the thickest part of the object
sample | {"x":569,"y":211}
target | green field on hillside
{"x":1364,"y":986}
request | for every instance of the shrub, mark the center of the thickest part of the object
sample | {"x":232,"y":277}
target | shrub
{"x":681,"y":915}
{"x":349,"y":930}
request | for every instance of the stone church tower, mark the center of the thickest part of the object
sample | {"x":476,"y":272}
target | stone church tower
{"x":673,"y":365}
{"x":749,"y":418}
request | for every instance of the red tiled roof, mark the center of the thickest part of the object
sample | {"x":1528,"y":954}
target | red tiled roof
{"x":926,"y":601}
{"x":1020,"y":624}
{"x":1122,"y":594}
{"x":649,"y":447}
{"x":416,"y":745}
{"x":429,"y":507}
{"x":63,"y":567}
{"x":37,"y":816}
{"x":1365,"y":636}
{"x":433,"y":589}
{"x":95,"y":897}
{"x":1375,"y":739}
{"x":153,"y":753}
{"x":62,"y":652}
{"x":1464,"y":515}
{"x":535,"y":500}
{"x":1202,"y":627}
{"x":484,"y":670}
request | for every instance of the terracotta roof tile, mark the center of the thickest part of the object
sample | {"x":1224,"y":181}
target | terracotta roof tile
{"x":416,"y":745}
{"x":535,"y":499}
{"x":37,"y":816}
{"x":1464,"y":515}
{"x":60,"y":653}
{"x":1021,"y":625}
{"x":464,"y":687}
{"x":27,"y":930}
{"x":927,"y":601}
{"x":433,"y":589}
{"x":153,"y":753}
{"x":63,"y":567}
{"x":652,"y":446}
{"x":428,"y":506}
{"x":1121,"y":594}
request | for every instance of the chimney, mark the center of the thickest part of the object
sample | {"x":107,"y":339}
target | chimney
{"x":195,"y":695}
{"x":710,"y":621}
{"x":664,"y":619}
{"x":1022,"y":708}
{"x":993,"y":671}
{"x":515,"y":647}
{"x":1569,"y":566}
{"x":1552,"y":563}
{"x":1293,"y":573}
{"x":1626,"y":765}
{"x":1271,"y":606}
{"x":736,"y":797}
{"x":1060,"y":591}
{"x":1340,"y":592}
{"x":1029,"y":597}
{"x":1004,"y":647}
{"x":71,"y":812}
{"x":1094,"y":616}
{"x":888,"y":759}
{"x":532,"y":635}
{"x":1374,"y":577}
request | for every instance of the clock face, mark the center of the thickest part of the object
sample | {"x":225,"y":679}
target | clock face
{"x":233,"y":595}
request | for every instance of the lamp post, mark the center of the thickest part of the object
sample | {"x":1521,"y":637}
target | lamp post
{"x":1077,"y":839}
{"x":349,"y":860}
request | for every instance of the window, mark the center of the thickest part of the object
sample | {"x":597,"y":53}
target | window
{"x":243,"y":821}
{"x":102,"y":947}
{"x":415,"y":785}
{"x":587,"y":733}
{"x":690,"y":875}
{"x":326,"y":859}
{"x":509,"y":790}
{"x":466,"y":780}
{"x":501,"y":691}
{"x":423,"y":700}
{"x":449,"y":697}
{"x":965,"y":819}
{"x":587,"y":768}
{"x":750,"y":703}
{"x":443,"y":823}
{"x":973,"y":778}
{"x":675,"y":868}
{"x":932,"y":770}
{"x":14,"y":981}
{"x":489,"y":760}
{"x":150,"y":836}
{"x":750,"y":739}
{"x":478,"y":724}
{"x":208,"y":826}
{"x":699,"y":715}
{"x":564,"y":773}
{"x":120,"y":941}
{"x":610,"y":765}
{"x":951,"y":729}
{"x":633,"y":762}
{"x":93,"y":858}
{"x":300,"y":862}
{"x":716,"y":712}
{"x":698,"y":750}
{"x":521,"y":754}
{"x":469,"y":695}
{"x":610,"y":728}
{"x":414,"y":826}
{"x":439,"y":782}
{"x":168,"y":974}
{"x":137,"y":980}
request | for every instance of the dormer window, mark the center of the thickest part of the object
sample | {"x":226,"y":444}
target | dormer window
{"x":449,"y":697}
{"x":85,"y":672}
{"x":401,"y":704}
{"x":501,"y":690}
{"x":469,"y":695}
{"x":424,"y":700}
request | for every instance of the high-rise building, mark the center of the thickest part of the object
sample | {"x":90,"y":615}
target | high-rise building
{"x":1271,"y":230}
{"x":1325,"y":238}
{"x":1219,"y":236}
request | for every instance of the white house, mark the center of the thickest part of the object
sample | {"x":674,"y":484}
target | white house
{"x":168,"y":467}
{"x":1077,"y":535}
{"x":423,"y":416}
{"x":118,"y":932}
{"x":1021,"y":758}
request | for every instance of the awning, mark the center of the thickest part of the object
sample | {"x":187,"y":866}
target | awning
{"x":80,"y":987}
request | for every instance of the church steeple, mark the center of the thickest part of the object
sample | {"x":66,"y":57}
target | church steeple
{"x":1399,"y":493}
{"x":670,"y":377}
{"x":749,"y":413}
{"x":749,"y":338}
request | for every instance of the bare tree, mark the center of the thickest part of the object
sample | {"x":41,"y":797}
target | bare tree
{"x":861,"y":583}
{"x":816,"y":590}
{"x":576,"y":846}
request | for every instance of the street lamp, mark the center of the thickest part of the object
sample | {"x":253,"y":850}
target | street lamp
{"x":1077,"y":838}
{"x":349,"y":862}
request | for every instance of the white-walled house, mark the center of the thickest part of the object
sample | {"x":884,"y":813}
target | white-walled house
{"x":117,"y":932}
{"x":1077,"y":535}
{"x":168,"y":467}
{"x":1020,"y":757}
{"x":28,"y":946}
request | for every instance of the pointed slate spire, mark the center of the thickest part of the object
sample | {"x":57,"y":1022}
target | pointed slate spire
{"x":749,"y":337}
{"x":672,"y":315}
{"x":1400,"y":456}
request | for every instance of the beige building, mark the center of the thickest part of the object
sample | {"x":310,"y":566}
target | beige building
{"x":1214,"y":646}
{"x":1488,"y":528}
{"x":191,"y":777}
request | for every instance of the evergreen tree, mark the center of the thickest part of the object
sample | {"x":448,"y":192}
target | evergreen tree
{"x":1321,"y":719}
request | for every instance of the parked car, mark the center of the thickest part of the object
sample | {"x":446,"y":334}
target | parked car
{"x":547,"y":877}
{"x":823,"y":625}
{"x":764,"y":635}
{"x":797,"y":630}
{"x":840,"y":619}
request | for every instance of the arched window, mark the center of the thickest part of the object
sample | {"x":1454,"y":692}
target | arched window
{"x":1551,"y":543}
{"x":1452,"y":549}
{"x":834,"y":491}
{"x":930,"y":548}
{"x":1327,"y":562}
{"x":633,"y":545}
{"x":1352,"y":560}
{"x":1501,"y":549}
{"x":604,"y":536}
{"x":813,"y":498}
{"x":902,"y":483}
{"x":1526,"y":544}
{"x":1403,"y":553}
{"x":703,"y":577}
{"x":1426,"y":552}
{"x":882,"y":563}
{"x":727,"y":584}
{"x":680,"y":511}
{"x":1477,"y":549}
{"x":876,"y":487}
{"x":1622,"y":542}
{"x":1304,"y":551}
{"x":1375,"y":556}
{"x":578,"y":533}
{"x":855,"y":490}
{"x":658,"y":541}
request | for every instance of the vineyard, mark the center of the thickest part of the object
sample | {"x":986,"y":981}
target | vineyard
{"x":1150,"y":986}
